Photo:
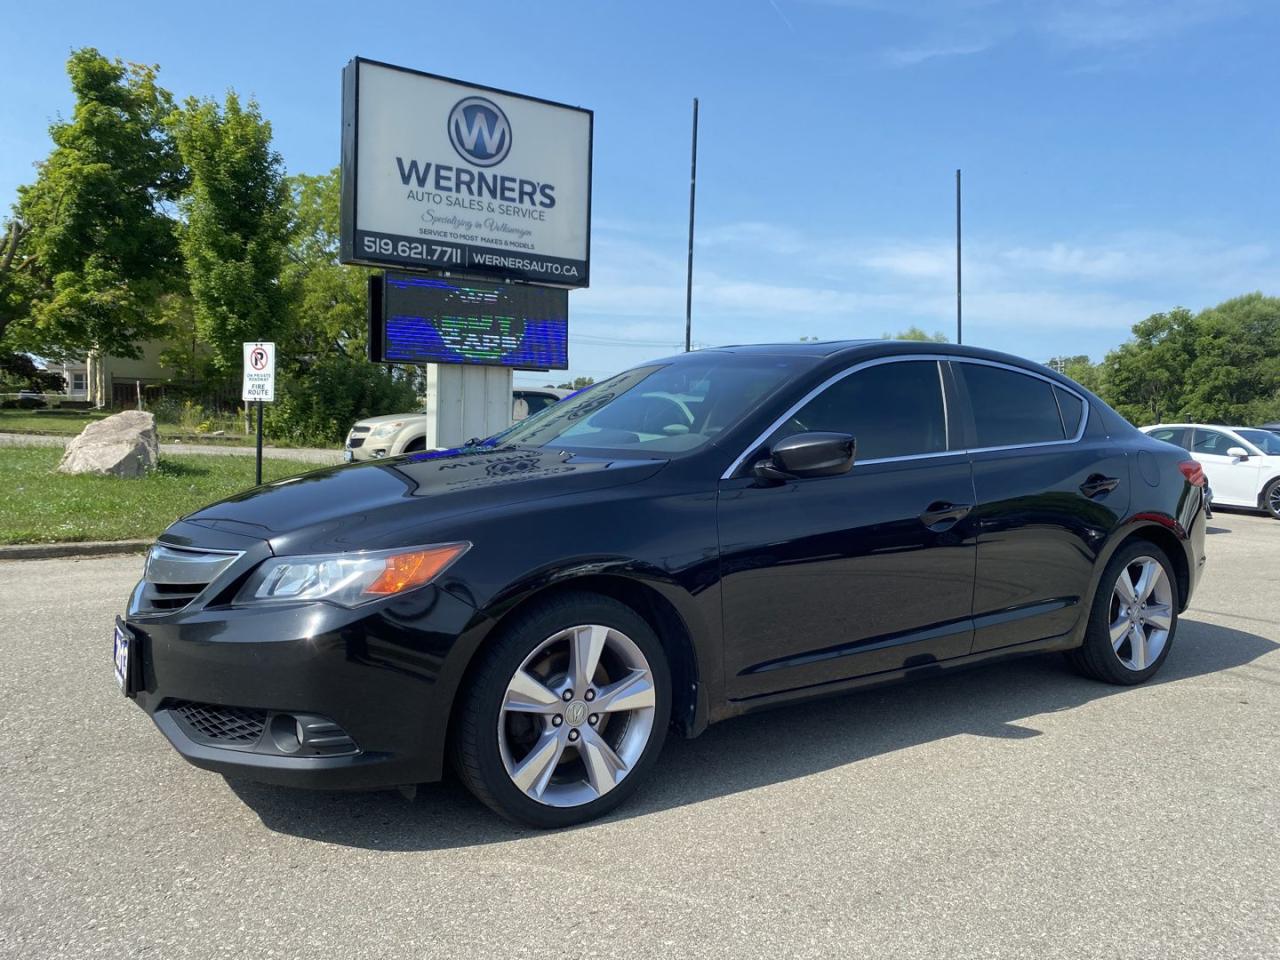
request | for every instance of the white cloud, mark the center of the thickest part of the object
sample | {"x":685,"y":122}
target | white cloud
{"x":953,"y":28}
{"x":1139,"y":257}
{"x":920,"y":261}
{"x":1036,"y":298}
{"x":1110,"y":23}
{"x":910,"y":56}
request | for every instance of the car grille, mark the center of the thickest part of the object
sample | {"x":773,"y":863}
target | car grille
{"x":354,"y":442}
{"x":174,"y":576}
{"x":227,"y":725}
{"x":360,"y":431}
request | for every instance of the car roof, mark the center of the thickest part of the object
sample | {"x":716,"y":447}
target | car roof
{"x":831,"y":350}
{"x":803,"y":348}
{"x":1187,"y":426}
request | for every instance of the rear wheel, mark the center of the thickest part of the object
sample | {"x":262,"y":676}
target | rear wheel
{"x":1133,"y":619}
{"x":567,"y":714}
{"x":1271,"y":499}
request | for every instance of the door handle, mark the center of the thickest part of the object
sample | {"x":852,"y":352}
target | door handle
{"x":940,"y":515}
{"x":1097,"y":485}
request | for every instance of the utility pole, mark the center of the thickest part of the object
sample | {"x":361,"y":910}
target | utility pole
{"x":959,"y":321}
{"x":693,"y":186}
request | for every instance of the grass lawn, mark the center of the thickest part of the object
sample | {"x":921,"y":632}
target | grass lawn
{"x":67,"y":424}
{"x":28,"y":421}
{"x":38,"y":505}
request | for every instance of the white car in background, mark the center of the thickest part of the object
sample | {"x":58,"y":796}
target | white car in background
{"x":395,"y":433}
{"x":1242,"y":464}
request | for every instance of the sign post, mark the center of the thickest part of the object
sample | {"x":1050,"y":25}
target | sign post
{"x":259,"y":384}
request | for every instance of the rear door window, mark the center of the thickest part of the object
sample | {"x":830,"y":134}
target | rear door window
{"x":1071,"y":409}
{"x":1175,"y":435}
{"x":538,"y":401}
{"x":892,"y":410}
{"x":1212,"y":442}
{"x":1010,"y":408}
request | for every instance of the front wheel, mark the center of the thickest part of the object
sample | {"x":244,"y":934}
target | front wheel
{"x":567,"y":713}
{"x":1271,"y":499}
{"x":1133,"y":619}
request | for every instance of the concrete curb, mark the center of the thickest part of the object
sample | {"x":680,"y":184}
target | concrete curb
{"x":86,"y":548}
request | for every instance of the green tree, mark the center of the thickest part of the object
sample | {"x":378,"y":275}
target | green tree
{"x":19,"y":284}
{"x":1146,"y":377}
{"x":1234,"y":374}
{"x":237,"y":223}
{"x":915,"y":333}
{"x":327,"y":299}
{"x":326,"y":382}
{"x":91,"y":244}
{"x":577,"y":383}
{"x":1221,"y":365}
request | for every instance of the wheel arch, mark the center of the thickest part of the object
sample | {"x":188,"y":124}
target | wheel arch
{"x":407,"y":437}
{"x":1262,"y":491}
{"x":1161,"y":535}
{"x":689,"y":696}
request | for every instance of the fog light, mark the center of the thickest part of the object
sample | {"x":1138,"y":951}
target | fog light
{"x":286,"y":733}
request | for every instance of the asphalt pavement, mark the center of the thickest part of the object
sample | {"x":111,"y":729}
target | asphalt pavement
{"x":1012,"y":811}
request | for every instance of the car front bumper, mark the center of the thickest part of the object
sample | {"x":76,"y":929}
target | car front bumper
{"x":376,"y":684}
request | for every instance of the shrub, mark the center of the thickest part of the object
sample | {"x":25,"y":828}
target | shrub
{"x":320,"y":405}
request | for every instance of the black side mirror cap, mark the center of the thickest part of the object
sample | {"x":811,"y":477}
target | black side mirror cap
{"x":804,"y":455}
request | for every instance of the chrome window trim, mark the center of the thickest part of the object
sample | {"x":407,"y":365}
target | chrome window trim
{"x":939,"y":359}
{"x":946,"y":412}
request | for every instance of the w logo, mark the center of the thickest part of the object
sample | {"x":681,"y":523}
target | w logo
{"x":479,"y":131}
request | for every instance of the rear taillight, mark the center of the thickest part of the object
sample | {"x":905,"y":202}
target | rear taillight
{"x":1193,"y":472}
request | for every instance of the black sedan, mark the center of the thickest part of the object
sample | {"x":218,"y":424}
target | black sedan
{"x":687,"y":541}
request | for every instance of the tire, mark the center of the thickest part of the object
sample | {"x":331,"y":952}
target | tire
{"x":539,"y":759}
{"x":416,"y":445}
{"x":1121,"y":661}
{"x":1271,"y":499}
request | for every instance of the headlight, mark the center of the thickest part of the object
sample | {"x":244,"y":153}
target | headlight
{"x":386,"y":429}
{"x":349,"y":579}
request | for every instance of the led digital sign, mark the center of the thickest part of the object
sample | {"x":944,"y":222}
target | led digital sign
{"x":422,"y":319}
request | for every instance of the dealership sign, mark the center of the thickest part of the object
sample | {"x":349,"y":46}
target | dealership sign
{"x":438,"y":174}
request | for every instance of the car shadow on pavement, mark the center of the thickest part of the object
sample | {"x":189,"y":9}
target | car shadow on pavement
{"x":757,"y":750}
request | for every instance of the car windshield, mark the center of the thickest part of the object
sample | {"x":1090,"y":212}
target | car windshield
{"x":1264,"y":440}
{"x":660,"y":408}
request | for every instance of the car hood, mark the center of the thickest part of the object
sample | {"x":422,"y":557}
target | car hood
{"x":390,"y":418}
{"x":384,"y":503}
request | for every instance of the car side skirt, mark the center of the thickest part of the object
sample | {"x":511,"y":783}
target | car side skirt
{"x":733,"y":708}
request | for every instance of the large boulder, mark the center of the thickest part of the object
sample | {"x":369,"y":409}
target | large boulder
{"x":123,"y":445}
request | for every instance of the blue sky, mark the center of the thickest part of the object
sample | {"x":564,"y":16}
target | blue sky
{"x":1120,"y":156}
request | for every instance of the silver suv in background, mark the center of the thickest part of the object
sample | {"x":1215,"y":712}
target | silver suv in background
{"x":375,"y":437}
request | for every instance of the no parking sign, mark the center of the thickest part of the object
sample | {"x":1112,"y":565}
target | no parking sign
{"x":259,"y":372}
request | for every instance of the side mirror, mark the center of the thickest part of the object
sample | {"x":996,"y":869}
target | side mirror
{"x":804,"y":455}
{"x":1240,"y":453}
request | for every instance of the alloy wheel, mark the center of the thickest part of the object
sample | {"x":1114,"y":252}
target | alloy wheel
{"x":577,"y":715}
{"x":1273,"y":500}
{"x":1141,"y":613}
